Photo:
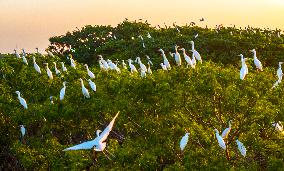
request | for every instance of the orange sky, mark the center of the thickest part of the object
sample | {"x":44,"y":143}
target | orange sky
{"x":29,"y":23}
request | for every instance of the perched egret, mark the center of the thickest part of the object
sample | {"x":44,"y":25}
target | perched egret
{"x":149,"y":71}
{"x":164,"y":67}
{"x":72,"y":62}
{"x":149,"y":60}
{"x":244,"y":69}
{"x":132,"y":67}
{"x":23,"y":132}
{"x":195,"y":53}
{"x":177,"y":56}
{"x":279,"y":72}
{"x":62,"y":91}
{"x":124,"y":64}
{"x":37,"y":68}
{"x":22,"y":100}
{"x":98,"y":143}
{"x":84,"y":90}
{"x":64,"y":69}
{"x":166,"y":62}
{"x":149,"y":36}
{"x":241,"y":147}
{"x":38,"y":52}
{"x":49,"y":73}
{"x":113,"y":66}
{"x":278,"y":126}
{"x":195,"y":36}
{"x":257,"y":63}
{"x":220,"y":140}
{"x":57,"y":72}
{"x":92,"y":85}
{"x":187,"y":58}
{"x":24,"y":60}
{"x":193,"y":60}
{"x":90,"y":73}
{"x":49,"y":53}
{"x":16,"y":53}
{"x":105,"y":64}
{"x":183,"y":141}
{"x":226,"y":132}
{"x":142,"y":66}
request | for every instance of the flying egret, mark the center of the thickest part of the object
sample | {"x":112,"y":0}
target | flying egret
{"x":183,"y":141}
{"x":90,"y":73}
{"x":226,"y":132}
{"x":62,"y":91}
{"x":92,"y":85}
{"x":16,"y":53}
{"x":195,"y":53}
{"x":220,"y":140}
{"x":22,"y":100}
{"x":257,"y":63}
{"x":177,"y":56}
{"x":49,"y":73}
{"x":57,"y":72}
{"x":241,"y":148}
{"x":166,"y":62}
{"x":84,"y":90}
{"x":64,"y":69}
{"x":279,"y":72}
{"x":37,"y":68}
{"x":132,"y":67}
{"x":98,"y":143}
{"x":187,"y":58}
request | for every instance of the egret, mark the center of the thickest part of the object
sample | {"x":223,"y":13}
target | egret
{"x":49,"y":73}
{"x":195,"y":53}
{"x":72,"y":62}
{"x":64,"y":69}
{"x":24,"y":53}
{"x":149,"y":60}
{"x":49,"y":53}
{"x":112,"y":66}
{"x":257,"y":63}
{"x":38,"y":52}
{"x":164,"y":67}
{"x":241,"y":148}
{"x":195,"y":36}
{"x":166,"y":62}
{"x":84,"y":90}
{"x":92,"y":85}
{"x":17,"y":55}
{"x":149,"y":71}
{"x":149,"y":35}
{"x":90,"y":73}
{"x":177,"y":56}
{"x":220,"y":140}
{"x":187,"y":58}
{"x":142,"y":66}
{"x":226,"y":132}
{"x":57,"y":72}
{"x":132,"y":67}
{"x":278,"y":126}
{"x":105,"y":64}
{"x":193,"y":60}
{"x":23,"y":132}
{"x":37,"y":68}
{"x":25,"y":60}
{"x":51,"y":100}
{"x":62,"y":91}
{"x":183,"y":141}
{"x":124,"y":64}
{"x":279,"y":72}
{"x":22,"y":100}
{"x":98,"y":143}
{"x":244,"y":69}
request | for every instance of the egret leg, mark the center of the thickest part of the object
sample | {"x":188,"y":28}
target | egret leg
{"x":110,"y":153}
{"x":106,"y":155}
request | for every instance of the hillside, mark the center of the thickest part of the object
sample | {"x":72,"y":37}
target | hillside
{"x":155,"y":111}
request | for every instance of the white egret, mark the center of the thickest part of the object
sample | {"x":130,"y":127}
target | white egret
{"x":64,"y":69}
{"x":90,"y":73}
{"x":220,"y":140}
{"x":49,"y":73}
{"x":166,"y":62}
{"x":195,"y":53}
{"x":57,"y":72}
{"x":278,"y":126}
{"x":177,"y":56}
{"x":149,"y":36}
{"x":16,"y":53}
{"x":105,"y":64}
{"x":112,"y":66}
{"x":257,"y":62}
{"x":226,"y":132}
{"x":92,"y":85}
{"x":51,"y":100}
{"x":149,"y":60}
{"x":279,"y":72}
{"x":98,"y":143}
{"x":49,"y":53}
{"x":195,"y":36}
{"x":84,"y":89}
{"x":72,"y":62}
{"x":244,"y":69}
{"x":193,"y":60}
{"x":183,"y":141}
{"x":62,"y":91}
{"x":124,"y":64}
{"x":164,"y":67}
{"x":23,"y":131}
{"x":149,"y":71}
{"x":37,"y":68}
{"x":142,"y":66}
{"x":187,"y":58}
{"x":132,"y":67}
{"x":22,"y":100}
{"x":25,"y":60}
{"x":241,"y":147}
{"x":38,"y":52}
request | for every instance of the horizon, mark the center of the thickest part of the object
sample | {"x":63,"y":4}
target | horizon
{"x":31,"y":23}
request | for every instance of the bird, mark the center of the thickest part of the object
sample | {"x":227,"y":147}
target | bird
{"x":166,"y":62}
{"x":279,"y":72}
{"x":90,"y":73}
{"x":37,"y":68}
{"x":113,"y":66}
{"x":124,"y":64}
{"x":132,"y":67}
{"x":23,"y":132}
{"x":24,"y":53}
{"x":241,"y":147}
{"x":149,"y":35}
{"x":187,"y":58}
{"x":142,"y":66}
{"x":202,"y":19}
{"x":84,"y":90}
{"x":57,"y":72}
{"x":149,"y":60}
{"x":25,"y":60}
{"x":49,"y":73}
{"x":16,"y":53}
{"x":143,"y":73}
{"x":72,"y":62}
{"x":51,"y":100}
{"x":98,"y":143}
{"x":38,"y":52}
{"x":164,"y":67}
{"x":177,"y":56}
{"x":195,"y":36}
{"x":105,"y":64}
{"x":22,"y":100}
{"x":49,"y":53}
{"x":183,"y":141}
{"x":257,"y":62}
{"x":195,"y":53}
{"x":62,"y":91}
{"x":226,"y":132}
{"x":278,"y":126}
{"x":149,"y":71}
{"x":92,"y":85}
{"x":64,"y":69}
{"x":220,"y":140}
{"x":244,"y":69}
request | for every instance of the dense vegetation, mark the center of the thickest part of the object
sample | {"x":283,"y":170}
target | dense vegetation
{"x":155,"y":112}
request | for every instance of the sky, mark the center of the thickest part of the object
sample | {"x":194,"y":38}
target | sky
{"x":29,"y":23}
